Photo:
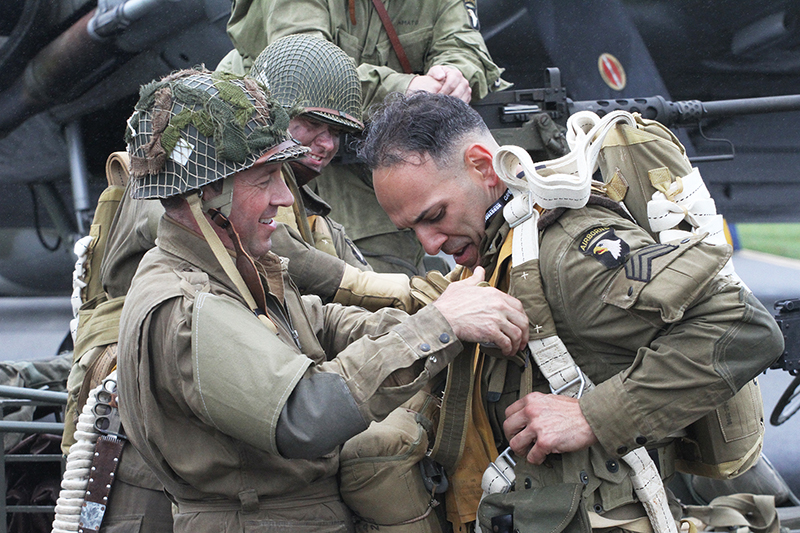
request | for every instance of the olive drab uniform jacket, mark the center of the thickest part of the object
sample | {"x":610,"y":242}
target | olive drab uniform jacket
{"x":664,"y":338}
{"x":432,"y":32}
{"x":212,"y":398}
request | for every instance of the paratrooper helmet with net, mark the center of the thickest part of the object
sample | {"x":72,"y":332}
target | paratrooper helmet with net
{"x":195,"y":127}
{"x":309,"y":75}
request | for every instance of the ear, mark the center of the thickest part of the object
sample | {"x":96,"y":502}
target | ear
{"x":478,"y":159}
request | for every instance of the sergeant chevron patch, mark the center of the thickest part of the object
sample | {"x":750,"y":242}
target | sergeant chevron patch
{"x":638,"y":266}
{"x":602,"y":244}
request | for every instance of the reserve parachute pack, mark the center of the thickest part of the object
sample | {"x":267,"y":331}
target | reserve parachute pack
{"x":645,"y":168}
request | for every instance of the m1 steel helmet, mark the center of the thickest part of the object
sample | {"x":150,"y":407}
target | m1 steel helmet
{"x":309,"y":75}
{"x":195,"y":127}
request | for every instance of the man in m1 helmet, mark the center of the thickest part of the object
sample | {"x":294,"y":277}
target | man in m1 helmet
{"x":236,"y":391}
{"x":317,"y":84}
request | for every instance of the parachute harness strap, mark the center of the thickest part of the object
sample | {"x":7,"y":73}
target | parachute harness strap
{"x":566,"y":182}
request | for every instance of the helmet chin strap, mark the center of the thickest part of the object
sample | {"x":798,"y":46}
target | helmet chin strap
{"x":223,"y":201}
{"x":243,"y":273}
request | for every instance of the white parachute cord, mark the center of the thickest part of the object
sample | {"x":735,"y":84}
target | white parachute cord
{"x":79,"y":461}
{"x":81,"y":251}
{"x":688,"y":199}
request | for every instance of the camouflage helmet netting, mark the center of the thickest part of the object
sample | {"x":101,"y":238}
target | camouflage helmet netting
{"x":194,"y":127}
{"x":304,"y":72}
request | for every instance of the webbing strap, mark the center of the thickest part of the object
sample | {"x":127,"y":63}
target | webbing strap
{"x":298,"y":208}
{"x":225,"y":260}
{"x":463,"y":417}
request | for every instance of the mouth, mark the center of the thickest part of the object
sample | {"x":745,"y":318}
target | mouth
{"x":467,"y":255}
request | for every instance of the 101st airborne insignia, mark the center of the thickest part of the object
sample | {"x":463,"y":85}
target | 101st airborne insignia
{"x":604,"y":245}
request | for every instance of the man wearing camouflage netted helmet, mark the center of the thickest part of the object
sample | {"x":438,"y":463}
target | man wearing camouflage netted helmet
{"x":236,"y":391}
{"x":317,"y":83}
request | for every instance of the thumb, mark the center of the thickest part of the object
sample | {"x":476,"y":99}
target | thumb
{"x":477,"y":276}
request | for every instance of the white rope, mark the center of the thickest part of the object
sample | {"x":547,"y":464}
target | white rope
{"x":79,"y":461}
{"x":81,"y":251}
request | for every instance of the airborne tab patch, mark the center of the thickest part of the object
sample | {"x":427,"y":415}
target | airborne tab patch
{"x":602,"y":244}
{"x":639,"y":266}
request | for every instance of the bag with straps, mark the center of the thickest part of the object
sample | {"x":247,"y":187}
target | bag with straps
{"x":646,"y":168}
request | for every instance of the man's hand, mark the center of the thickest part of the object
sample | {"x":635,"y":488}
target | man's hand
{"x":484,"y":314}
{"x":541,"y":424}
{"x":442,"y":79}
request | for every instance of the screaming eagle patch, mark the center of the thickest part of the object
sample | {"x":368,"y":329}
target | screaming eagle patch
{"x":605,"y":246}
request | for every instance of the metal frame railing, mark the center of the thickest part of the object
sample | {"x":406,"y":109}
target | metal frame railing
{"x":22,"y":397}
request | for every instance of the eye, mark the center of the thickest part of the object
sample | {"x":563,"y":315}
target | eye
{"x":438,"y":216}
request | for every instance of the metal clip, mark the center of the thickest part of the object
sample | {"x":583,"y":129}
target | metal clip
{"x":506,"y":456}
{"x":527,"y":216}
{"x":580,"y":379}
{"x":106,"y":411}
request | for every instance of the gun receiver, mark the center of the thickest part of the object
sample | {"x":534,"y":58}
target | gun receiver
{"x":507,"y":111}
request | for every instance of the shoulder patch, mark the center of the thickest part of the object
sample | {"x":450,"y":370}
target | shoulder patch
{"x":472,"y":12}
{"x":639,"y":265}
{"x":604,"y":245}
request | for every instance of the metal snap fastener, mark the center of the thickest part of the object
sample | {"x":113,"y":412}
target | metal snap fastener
{"x":612,"y":466}
{"x":584,"y":478}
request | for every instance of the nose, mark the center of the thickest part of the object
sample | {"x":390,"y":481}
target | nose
{"x":431,"y":240}
{"x":326,"y":140}
{"x":281,"y":195}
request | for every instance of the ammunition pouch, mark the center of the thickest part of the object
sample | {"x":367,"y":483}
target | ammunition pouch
{"x":380,"y":466}
{"x":555,"y":509}
{"x":726,"y":442}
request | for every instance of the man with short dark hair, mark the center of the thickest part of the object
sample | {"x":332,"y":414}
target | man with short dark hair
{"x":661,"y":361}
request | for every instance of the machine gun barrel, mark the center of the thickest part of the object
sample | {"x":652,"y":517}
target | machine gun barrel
{"x":688,"y":111}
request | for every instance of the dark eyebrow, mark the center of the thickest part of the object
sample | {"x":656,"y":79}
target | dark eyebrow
{"x":421,"y":216}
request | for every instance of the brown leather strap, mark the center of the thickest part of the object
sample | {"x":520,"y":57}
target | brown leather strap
{"x":104,"y":465}
{"x":352,"y":9}
{"x":390,"y":31}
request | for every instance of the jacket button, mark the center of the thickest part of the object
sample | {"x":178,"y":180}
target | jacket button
{"x":528,"y":483}
{"x":584,"y":478}
{"x":612,"y":466}
{"x":622,"y":450}
{"x":630,"y":291}
{"x":598,"y":508}
{"x":444,"y":338}
{"x":641,"y":441}
{"x":425,"y":347}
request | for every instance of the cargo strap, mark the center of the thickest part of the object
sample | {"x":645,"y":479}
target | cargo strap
{"x":550,"y":354}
